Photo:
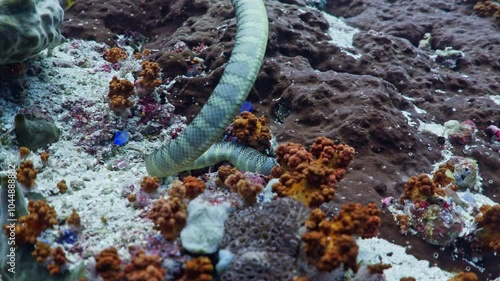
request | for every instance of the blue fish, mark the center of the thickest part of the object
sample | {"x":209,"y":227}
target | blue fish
{"x":247,"y":106}
{"x":121,"y":137}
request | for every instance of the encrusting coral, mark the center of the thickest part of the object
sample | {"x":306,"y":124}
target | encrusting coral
{"x":41,"y":217}
{"x":488,"y":235}
{"x":144,"y":268}
{"x":251,"y":131}
{"x":115,"y":54}
{"x":330,"y":243}
{"x":169,"y":216}
{"x":119,"y":92}
{"x":198,"y":269}
{"x":108,"y":265}
{"x":26,"y":174}
{"x":310,"y":177}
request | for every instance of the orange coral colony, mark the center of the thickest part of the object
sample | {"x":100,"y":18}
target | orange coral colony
{"x":41,"y":217}
{"x":488,"y":222}
{"x":24,"y":151}
{"x":189,"y":188}
{"x":44,"y":156}
{"x":119,"y":92}
{"x":198,"y":269}
{"x":150,"y":184}
{"x":252,"y":131}
{"x":108,"y":265}
{"x":115,"y":54}
{"x":330,"y":243}
{"x":144,"y":267}
{"x":169,"y":216}
{"x":59,"y":259}
{"x":464,"y":276}
{"x":310,"y":176}
{"x":150,"y":75}
{"x":62,"y":186}
{"x":26,"y":174}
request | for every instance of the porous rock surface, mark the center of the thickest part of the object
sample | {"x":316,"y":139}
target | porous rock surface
{"x":361,"y":101}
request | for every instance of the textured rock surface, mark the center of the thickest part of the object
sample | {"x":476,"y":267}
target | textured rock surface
{"x":361,"y":101}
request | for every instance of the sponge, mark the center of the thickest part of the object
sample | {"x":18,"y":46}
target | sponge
{"x":29,"y":26}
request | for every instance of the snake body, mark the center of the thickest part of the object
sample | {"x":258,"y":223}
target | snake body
{"x":198,"y":139}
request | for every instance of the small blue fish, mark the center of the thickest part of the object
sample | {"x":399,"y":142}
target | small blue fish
{"x":121,"y":137}
{"x":247,"y":106}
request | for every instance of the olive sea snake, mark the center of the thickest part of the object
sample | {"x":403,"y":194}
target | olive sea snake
{"x":196,"y":146}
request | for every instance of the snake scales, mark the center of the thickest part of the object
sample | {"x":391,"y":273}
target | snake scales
{"x":197,"y":146}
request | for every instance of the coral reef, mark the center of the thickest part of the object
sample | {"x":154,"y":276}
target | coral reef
{"x":26,"y":174}
{"x":310,"y":177}
{"x":240,"y":184}
{"x":198,"y":269}
{"x":169,"y":216}
{"x":42,"y":251}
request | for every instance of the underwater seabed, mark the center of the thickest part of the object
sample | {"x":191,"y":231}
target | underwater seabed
{"x":70,"y":88}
